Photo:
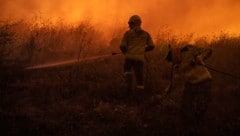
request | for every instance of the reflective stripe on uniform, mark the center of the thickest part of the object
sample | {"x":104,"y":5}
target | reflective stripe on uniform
{"x":127,"y":73}
{"x":140,"y":87}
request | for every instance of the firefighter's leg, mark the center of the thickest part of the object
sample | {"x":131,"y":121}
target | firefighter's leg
{"x":202,"y":101}
{"x":128,"y":74}
{"x":187,"y":104}
{"x":138,"y":69}
{"x":128,"y":80}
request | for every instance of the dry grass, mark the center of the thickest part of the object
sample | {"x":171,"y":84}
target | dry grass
{"x":88,"y":99}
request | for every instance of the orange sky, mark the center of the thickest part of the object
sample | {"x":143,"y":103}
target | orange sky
{"x":183,"y":16}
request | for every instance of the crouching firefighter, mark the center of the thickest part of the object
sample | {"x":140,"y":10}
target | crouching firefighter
{"x":134,"y":44}
{"x":189,"y":62}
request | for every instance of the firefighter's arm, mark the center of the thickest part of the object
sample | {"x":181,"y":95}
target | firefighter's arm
{"x":199,"y":60}
{"x":202,"y":55}
{"x":150,"y":45}
{"x":123,"y":45}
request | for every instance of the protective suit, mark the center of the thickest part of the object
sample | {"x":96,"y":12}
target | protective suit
{"x":134,"y":44}
{"x":191,"y":64}
{"x":136,"y":41}
{"x":189,"y":61}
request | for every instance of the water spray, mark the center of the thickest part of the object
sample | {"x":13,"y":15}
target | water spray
{"x":69,"y":62}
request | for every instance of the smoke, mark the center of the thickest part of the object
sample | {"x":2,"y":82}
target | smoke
{"x":185,"y":16}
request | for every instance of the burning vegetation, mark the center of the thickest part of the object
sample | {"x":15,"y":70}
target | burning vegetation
{"x":86,"y":96}
{"x":77,"y":85}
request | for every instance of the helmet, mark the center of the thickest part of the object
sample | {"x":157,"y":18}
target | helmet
{"x":135,"y":19}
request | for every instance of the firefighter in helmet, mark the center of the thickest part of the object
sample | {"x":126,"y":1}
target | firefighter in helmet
{"x":134,"y":44}
{"x":189,"y":63}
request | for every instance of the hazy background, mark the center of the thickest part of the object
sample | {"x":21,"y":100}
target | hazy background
{"x":185,"y":16}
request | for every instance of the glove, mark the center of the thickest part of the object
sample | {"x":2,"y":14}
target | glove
{"x":123,"y":49}
{"x":149,"y":48}
{"x":199,"y":60}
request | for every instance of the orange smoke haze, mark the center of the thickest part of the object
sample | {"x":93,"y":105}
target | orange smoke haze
{"x":183,"y":16}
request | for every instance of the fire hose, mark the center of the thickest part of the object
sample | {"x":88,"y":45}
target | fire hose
{"x":113,"y":54}
{"x":168,"y":90}
{"x":221,"y":72}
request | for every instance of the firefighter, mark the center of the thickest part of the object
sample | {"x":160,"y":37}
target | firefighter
{"x":189,"y":62}
{"x":134,"y":44}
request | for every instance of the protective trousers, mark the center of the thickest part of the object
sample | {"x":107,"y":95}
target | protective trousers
{"x":196,"y":98}
{"x":137,"y":67}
